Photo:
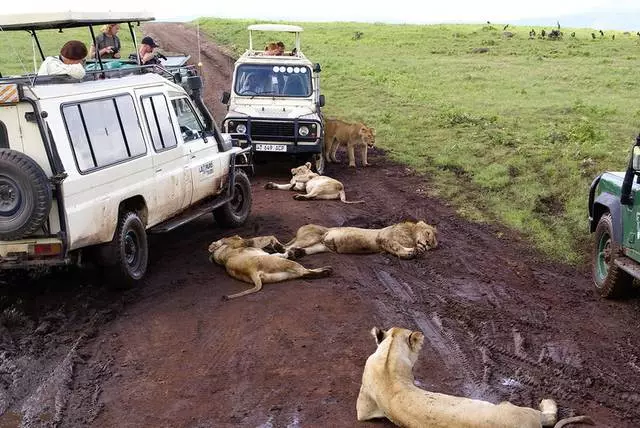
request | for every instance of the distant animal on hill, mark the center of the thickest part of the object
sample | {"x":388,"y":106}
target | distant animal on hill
{"x":543,"y":34}
{"x":357,"y":35}
{"x":593,"y":35}
{"x":601,"y":33}
{"x":505,"y":27}
{"x":613,"y":37}
{"x":573,"y":34}
{"x":532,"y":34}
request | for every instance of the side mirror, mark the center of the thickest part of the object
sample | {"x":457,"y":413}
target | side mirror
{"x":635,"y":158}
{"x":321,"y":101}
{"x":316,"y":68}
{"x":226,"y":96}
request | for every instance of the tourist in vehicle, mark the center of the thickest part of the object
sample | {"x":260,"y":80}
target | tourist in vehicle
{"x":70,"y":61}
{"x":280,"y":50}
{"x":108,"y":42}
{"x":271,"y":49}
{"x":147,"y":52}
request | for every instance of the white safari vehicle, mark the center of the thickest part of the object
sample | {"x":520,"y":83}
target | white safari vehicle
{"x":276,"y":100}
{"x":90,"y":167}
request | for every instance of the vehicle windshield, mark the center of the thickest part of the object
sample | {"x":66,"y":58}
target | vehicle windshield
{"x":273,"y":80}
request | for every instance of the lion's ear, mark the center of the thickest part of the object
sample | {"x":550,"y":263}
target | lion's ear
{"x":373,"y":131}
{"x":293,"y":171}
{"x":378,"y":334}
{"x":308,"y":165}
{"x":416,"y":339}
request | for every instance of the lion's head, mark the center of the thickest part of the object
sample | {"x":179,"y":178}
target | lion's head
{"x":426,"y":233}
{"x":402,"y":343}
{"x":302,"y":170}
{"x":234,"y":241}
{"x":368,"y":135}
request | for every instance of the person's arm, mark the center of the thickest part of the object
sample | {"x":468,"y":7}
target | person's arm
{"x":92,"y":51}
{"x":146,"y":57}
{"x":74,"y":70}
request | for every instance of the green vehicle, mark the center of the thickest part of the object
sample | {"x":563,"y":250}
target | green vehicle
{"x":614,"y":216}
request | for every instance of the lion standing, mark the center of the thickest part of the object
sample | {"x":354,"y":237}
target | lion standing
{"x":354,"y":135}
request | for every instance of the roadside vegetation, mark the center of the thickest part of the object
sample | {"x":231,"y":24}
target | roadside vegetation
{"x":508,"y":128}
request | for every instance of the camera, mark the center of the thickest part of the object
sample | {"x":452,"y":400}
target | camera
{"x":115,"y":49}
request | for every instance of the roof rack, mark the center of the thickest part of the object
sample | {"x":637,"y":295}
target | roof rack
{"x":282,"y":28}
{"x":33,"y":22}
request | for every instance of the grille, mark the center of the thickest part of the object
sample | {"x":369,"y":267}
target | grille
{"x":272,"y":129}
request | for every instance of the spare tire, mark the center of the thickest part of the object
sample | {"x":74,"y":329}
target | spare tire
{"x":25,"y":195}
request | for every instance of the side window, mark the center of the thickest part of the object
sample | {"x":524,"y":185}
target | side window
{"x":156,"y":112}
{"x":190,"y":125}
{"x":104,"y":132}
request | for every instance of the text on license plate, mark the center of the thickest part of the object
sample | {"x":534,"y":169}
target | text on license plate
{"x":271,"y":147}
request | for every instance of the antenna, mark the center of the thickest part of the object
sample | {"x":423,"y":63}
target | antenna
{"x":199,"y":50}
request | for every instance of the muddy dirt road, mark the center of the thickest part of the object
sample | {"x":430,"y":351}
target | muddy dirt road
{"x":499,"y":323}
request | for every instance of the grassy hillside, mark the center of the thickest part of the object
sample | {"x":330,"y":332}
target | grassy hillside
{"x":515,"y":134}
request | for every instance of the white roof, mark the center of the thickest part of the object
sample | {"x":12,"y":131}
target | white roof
{"x":275,"y":27}
{"x":68,"y":19}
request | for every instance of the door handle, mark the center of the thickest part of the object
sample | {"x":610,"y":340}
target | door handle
{"x":193,"y":156}
{"x":159,"y":169}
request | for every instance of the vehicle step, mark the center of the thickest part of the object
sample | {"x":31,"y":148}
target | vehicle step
{"x":630,"y":266}
{"x":188,"y":215}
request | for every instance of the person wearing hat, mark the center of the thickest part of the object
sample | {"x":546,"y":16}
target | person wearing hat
{"x":70,"y":61}
{"x":147,"y":52}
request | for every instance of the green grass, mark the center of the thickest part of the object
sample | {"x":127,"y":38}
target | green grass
{"x":514,"y":135}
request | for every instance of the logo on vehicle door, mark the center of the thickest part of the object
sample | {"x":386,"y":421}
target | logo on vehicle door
{"x":206,"y":168}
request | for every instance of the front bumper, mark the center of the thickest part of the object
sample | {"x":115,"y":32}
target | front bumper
{"x":267,"y":134}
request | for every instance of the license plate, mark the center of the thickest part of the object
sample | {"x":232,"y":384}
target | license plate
{"x":271,"y":147}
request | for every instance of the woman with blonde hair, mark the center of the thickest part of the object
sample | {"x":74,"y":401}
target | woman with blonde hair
{"x":108,"y":42}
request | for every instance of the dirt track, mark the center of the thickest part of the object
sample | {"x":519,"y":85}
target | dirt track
{"x":500,"y":323}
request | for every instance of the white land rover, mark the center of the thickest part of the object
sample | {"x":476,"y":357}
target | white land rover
{"x":276,"y":100}
{"x":91,"y":166}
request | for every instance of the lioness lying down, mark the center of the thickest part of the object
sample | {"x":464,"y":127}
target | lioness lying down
{"x":388,"y":390}
{"x":405,"y":240}
{"x":246,"y":260}
{"x":317,"y":186}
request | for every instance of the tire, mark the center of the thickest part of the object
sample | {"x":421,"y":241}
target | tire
{"x":610,"y":281}
{"x":25,"y":195}
{"x":128,"y":252}
{"x":318,"y":162}
{"x":235,"y":212}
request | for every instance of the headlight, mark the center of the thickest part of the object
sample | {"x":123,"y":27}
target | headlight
{"x":241,"y":128}
{"x":303,"y":131}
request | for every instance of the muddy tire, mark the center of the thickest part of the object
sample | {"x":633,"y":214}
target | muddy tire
{"x":127,"y":253}
{"x":235,"y":212}
{"x":25,"y":195}
{"x":610,"y":281}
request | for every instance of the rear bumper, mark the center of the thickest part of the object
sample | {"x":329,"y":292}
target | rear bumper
{"x":32,"y":253}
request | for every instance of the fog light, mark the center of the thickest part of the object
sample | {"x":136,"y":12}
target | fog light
{"x":303,"y":131}
{"x":241,"y":128}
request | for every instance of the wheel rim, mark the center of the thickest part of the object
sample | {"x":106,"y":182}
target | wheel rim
{"x":131,"y":249}
{"x":10,"y":197}
{"x":603,"y":258}
{"x":237,"y":202}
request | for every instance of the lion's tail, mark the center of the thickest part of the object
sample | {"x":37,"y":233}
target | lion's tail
{"x":574,"y":420}
{"x":319,"y":273}
{"x":343,"y":198}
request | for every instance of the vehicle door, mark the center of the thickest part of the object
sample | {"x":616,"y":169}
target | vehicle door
{"x":631,"y":213}
{"x":173,"y":185}
{"x":204,"y":157}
